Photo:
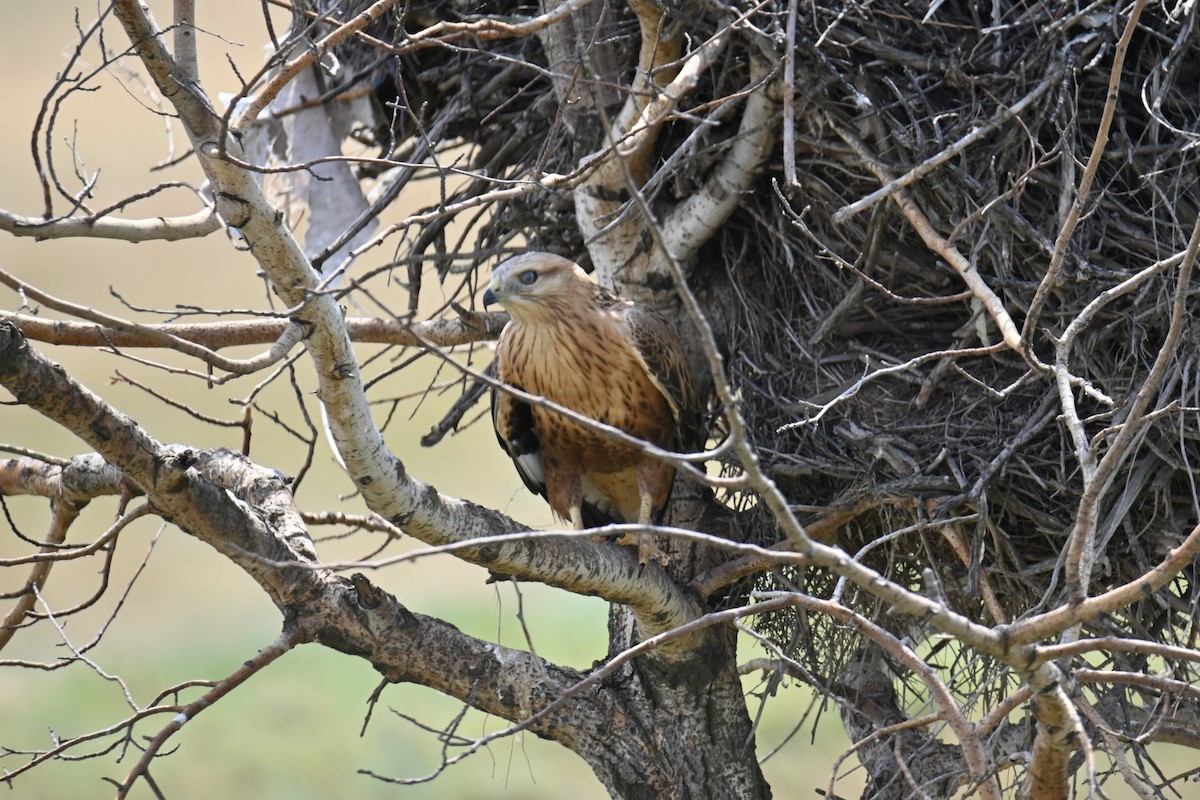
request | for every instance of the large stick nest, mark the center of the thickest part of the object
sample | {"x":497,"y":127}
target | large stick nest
{"x":968,"y":453}
{"x":821,"y":304}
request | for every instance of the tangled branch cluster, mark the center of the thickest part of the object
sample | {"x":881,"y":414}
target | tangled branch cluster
{"x":872,"y":380}
{"x":870,"y":333}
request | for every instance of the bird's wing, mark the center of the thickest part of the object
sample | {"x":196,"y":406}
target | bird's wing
{"x":513,"y":421}
{"x":660,"y":352}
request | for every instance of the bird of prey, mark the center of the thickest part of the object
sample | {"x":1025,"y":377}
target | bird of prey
{"x":583,"y":347}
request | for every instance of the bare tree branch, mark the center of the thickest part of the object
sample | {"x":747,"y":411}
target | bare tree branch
{"x":475,"y":327}
{"x":169,"y":229}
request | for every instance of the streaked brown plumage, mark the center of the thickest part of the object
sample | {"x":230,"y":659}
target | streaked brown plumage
{"x":582,"y":347}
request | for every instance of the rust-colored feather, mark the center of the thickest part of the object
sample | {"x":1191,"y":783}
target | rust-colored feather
{"x":609,"y":359}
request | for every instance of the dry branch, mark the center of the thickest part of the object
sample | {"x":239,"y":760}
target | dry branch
{"x":168,"y":229}
{"x":478,"y":326}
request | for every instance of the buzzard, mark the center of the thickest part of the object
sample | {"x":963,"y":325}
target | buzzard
{"x":607,"y":358}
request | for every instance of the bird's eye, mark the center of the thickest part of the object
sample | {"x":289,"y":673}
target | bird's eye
{"x":527,"y":277}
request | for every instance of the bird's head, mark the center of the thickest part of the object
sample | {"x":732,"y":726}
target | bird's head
{"x":531,"y":284}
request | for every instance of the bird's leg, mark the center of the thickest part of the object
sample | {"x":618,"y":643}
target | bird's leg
{"x":564,"y":485}
{"x":647,"y":547}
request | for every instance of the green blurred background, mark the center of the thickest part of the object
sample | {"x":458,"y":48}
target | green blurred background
{"x":293,"y":731}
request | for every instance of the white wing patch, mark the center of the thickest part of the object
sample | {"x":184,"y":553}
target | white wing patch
{"x":532,"y":468}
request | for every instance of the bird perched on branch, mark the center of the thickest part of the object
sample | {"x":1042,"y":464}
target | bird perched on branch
{"x":619,"y":363}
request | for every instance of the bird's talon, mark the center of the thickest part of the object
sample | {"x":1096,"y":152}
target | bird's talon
{"x":648,"y":551}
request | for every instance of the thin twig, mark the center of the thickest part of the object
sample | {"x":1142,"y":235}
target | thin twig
{"x":286,"y":641}
{"x":1085,"y":184}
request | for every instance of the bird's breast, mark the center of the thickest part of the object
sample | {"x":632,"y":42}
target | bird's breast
{"x":587,"y":369}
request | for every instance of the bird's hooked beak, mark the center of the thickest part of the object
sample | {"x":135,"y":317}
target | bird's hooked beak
{"x":491,"y":296}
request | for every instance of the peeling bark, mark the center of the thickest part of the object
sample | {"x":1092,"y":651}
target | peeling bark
{"x":1055,"y":742}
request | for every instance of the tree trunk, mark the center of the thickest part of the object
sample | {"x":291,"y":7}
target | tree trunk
{"x":679,"y":726}
{"x":686,"y":731}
